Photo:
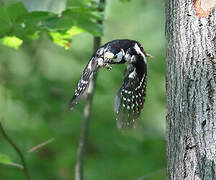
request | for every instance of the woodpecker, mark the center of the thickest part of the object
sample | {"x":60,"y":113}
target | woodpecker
{"x":131,"y":96}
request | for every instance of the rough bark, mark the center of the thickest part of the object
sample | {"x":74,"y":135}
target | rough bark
{"x":191,"y":90}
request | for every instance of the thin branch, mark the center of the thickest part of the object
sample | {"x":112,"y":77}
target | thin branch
{"x":85,"y":125}
{"x":79,"y":170}
{"x":147,"y":176}
{"x":25,"y":169}
{"x":15,"y":165}
{"x":37,"y":147}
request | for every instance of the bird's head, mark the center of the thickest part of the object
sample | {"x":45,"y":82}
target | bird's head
{"x":111,"y":54}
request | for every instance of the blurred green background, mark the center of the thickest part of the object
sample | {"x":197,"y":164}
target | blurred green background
{"x":38,"y":80}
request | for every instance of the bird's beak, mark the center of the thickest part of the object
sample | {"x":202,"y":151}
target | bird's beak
{"x":149,"y":55}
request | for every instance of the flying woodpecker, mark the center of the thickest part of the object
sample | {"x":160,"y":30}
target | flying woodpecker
{"x":131,"y":96}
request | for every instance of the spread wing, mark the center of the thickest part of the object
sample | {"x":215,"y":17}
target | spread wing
{"x":131,"y":96}
{"x":84,"y":81}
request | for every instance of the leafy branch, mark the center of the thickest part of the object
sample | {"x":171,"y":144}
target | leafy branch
{"x":18,"y":24}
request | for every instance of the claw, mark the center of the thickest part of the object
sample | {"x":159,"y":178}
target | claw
{"x":109,"y":67}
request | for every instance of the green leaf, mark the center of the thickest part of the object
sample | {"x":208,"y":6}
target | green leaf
{"x":80,"y":17}
{"x":83,"y":12}
{"x":16,"y":11}
{"x":85,"y":19}
{"x":56,"y":23}
{"x":91,"y":27}
{"x":4,"y":159}
{"x":38,"y":18}
{"x":74,"y":31}
{"x":16,"y":21}
{"x":60,"y":39}
{"x":63,"y":39}
{"x":5,"y":23}
{"x":12,"y":41}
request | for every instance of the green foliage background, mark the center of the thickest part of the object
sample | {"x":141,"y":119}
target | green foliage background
{"x":38,"y":80}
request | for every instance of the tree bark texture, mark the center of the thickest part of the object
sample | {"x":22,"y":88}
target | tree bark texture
{"x":191,"y":89}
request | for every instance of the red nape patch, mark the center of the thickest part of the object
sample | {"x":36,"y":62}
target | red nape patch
{"x":118,"y":47}
{"x":204,"y":7}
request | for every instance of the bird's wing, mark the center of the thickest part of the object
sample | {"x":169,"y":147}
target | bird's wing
{"x":130,"y":98}
{"x":84,"y":81}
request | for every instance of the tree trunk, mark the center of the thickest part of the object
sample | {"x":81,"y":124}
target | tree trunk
{"x":191,"y":89}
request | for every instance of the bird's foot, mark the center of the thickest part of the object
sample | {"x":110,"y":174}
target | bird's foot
{"x":108,"y":66}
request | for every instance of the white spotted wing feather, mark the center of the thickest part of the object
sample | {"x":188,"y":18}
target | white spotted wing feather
{"x":83,"y":84}
{"x":130,"y":99}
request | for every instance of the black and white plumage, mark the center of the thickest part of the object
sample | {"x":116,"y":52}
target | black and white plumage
{"x":131,"y":96}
